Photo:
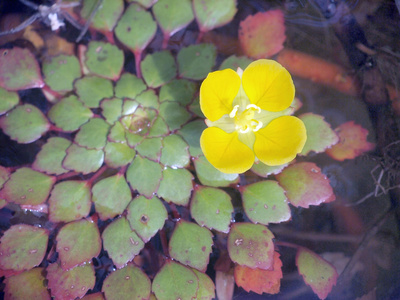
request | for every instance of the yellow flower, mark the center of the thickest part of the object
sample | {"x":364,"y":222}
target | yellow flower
{"x":248,"y":117}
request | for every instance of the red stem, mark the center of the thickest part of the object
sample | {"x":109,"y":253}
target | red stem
{"x":122,"y":170}
{"x":66,"y":175}
{"x":138,"y":56}
{"x":110,"y":37}
{"x":164,"y":243}
{"x":165,"y":40}
{"x":96,"y":175}
{"x":175,"y":212}
{"x":287,"y":244}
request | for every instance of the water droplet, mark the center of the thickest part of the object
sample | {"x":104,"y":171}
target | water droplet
{"x":23,"y":197}
{"x":314,"y":170}
{"x":33,"y":251}
{"x":127,"y":277}
{"x":133,"y":242}
{"x":66,"y":248}
{"x":30,"y":190}
{"x":98,"y":49}
{"x":28,"y":110}
{"x":83,"y":288}
{"x":250,"y":254}
{"x":72,"y":287}
{"x":190,"y":281}
{"x":217,"y":211}
{"x":238,"y":242}
{"x":265,"y":206}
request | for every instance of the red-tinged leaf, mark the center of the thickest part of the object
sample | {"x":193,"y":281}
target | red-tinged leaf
{"x":305,"y":185}
{"x":26,"y":285}
{"x":260,"y":281}
{"x":263,"y":34}
{"x":70,"y":284}
{"x":19,"y":70}
{"x":317,"y":272}
{"x":95,"y":296}
{"x":251,"y":245}
{"x":352,"y":142}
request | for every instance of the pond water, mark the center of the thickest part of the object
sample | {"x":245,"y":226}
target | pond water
{"x":358,"y":233}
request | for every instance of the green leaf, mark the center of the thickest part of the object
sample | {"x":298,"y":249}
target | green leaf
{"x":73,"y":240}
{"x":158,"y":68}
{"x":129,"y":106}
{"x":208,"y":175}
{"x":195,"y":108}
{"x":19,"y":70}
{"x":191,"y":244}
{"x":106,"y":16}
{"x":50,"y":157}
{"x":176,"y":186}
{"x":316,"y":272}
{"x":111,"y":196}
{"x":24,"y":124}
{"x":69,"y":113}
{"x":148,"y":99}
{"x":93,"y":134}
{"x":27,"y":285}
{"x":118,"y":155}
{"x":191,"y":132}
{"x":129,"y":86}
{"x":320,"y":135}
{"x":264,"y":170}
{"x":212,"y":207}
{"x":206,"y":286}
{"x":144,"y":3}
{"x":104,"y":59}
{"x":174,"y":152}
{"x":8,"y":100}
{"x":140,"y":121}
{"x":212,"y":14}
{"x":136,"y":28}
{"x":71,"y":284}
{"x":196,"y":61}
{"x":23,"y":247}
{"x":150,"y":148}
{"x":126,"y":284}
{"x":111,"y":109}
{"x":174,"y":114}
{"x":265,"y":202}
{"x":173,"y":15}
{"x":233,"y":62}
{"x":179,"y":90}
{"x":146,"y":216}
{"x":175,"y":281}
{"x":27,"y":187}
{"x":4,"y":176}
{"x":117,"y":133}
{"x":69,"y":201}
{"x":121,"y":242}
{"x":251,"y":245}
{"x":159,"y":128}
{"x":144,"y":175}
{"x":82,"y":160}
{"x":61,"y":71}
{"x":305,"y":185}
{"x":91,"y":89}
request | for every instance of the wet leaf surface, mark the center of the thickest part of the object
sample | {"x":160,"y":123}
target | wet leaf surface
{"x":265,"y":202}
{"x":258,"y":280}
{"x":61,"y":71}
{"x":19,"y":70}
{"x":50,"y":157}
{"x":24,"y":124}
{"x":212,"y":14}
{"x":262,"y":35}
{"x":305,"y":185}
{"x":320,"y":135}
{"x":91,"y":89}
{"x":127,"y":283}
{"x":316,"y":272}
{"x":352,"y":142}
{"x":27,"y":187}
{"x":104,"y":59}
{"x":251,"y":245}
{"x":196,"y":61}
{"x":211,"y":207}
{"x":191,"y":244}
{"x":176,"y":186}
{"x":121,"y":242}
{"x":82,"y":160}
{"x":8,"y":100}
{"x":70,"y":284}
{"x":111,"y":196}
{"x":22,"y":247}
{"x":175,"y":281}
{"x":144,"y":176}
{"x":26,"y":285}
{"x":158,"y":68}
{"x":146,"y":216}
{"x":174,"y":152}
{"x":69,"y":113}
{"x":73,"y":240}
{"x":93,"y":134}
{"x":69,"y":201}
{"x":208,"y":175}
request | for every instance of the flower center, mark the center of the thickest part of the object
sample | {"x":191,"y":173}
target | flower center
{"x":246,"y":120}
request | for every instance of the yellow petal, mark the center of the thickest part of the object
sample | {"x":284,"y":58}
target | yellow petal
{"x":217,"y":93}
{"x":268,"y":85}
{"x":280,"y":141}
{"x":225,"y":152}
